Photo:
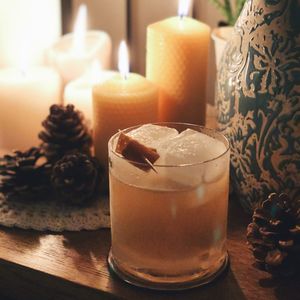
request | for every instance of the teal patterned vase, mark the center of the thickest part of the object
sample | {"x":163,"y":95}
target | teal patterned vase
{"x":258,"y":100}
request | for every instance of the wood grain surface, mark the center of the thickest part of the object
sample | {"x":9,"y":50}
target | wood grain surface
{"x":73,"y":266}
{"x":46,"y":266}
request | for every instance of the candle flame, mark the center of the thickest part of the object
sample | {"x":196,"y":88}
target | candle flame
{"x":123,"y":60}
{"x":80,"y":30}
{"x":23,"y":59}
{"x":183,"y":8}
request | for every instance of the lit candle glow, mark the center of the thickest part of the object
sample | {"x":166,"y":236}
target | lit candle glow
{"x":80,"y":30}
{"x":183,"y":8}
{"x":75,"y":52}
{"x":42,"y":19}
{"x":123,"y":63}
{"x":26,"y":96}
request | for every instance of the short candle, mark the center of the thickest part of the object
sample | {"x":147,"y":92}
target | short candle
{"x":125,"y":100}
{"x":79,"y":91}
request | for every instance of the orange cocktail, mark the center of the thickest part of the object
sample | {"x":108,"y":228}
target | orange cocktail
{"x":169,"y":226}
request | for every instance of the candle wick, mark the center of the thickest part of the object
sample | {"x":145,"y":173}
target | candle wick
{"x":181,"y":16}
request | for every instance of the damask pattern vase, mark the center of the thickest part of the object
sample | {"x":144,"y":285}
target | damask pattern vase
{"x":258,"y":100}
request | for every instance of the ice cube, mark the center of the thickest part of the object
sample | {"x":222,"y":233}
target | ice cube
{"x":200,"y":197}
{"x":152,"y":135}
{"x":189,"y":147}
{"x":149,"y":135}
{"x":214,"y":170}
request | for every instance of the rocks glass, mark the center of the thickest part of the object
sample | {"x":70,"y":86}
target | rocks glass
{"x":169,"y":224}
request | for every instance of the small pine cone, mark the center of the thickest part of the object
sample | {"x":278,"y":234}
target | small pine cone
{"x":24,"y":175}
{"x":64,"y":132}
{"x":274,"y":235}
{"x":76,"y":178}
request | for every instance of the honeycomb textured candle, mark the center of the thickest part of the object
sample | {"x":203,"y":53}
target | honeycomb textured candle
{"x":177,"y":54}
{"x":120,"y":103}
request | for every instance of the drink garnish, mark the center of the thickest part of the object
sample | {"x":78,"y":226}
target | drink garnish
{"x":140,"y":155}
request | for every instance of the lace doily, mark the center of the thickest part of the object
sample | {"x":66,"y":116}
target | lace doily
{"x":54,"y":215}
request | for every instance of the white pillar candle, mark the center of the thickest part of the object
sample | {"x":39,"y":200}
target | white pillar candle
{"x":79,"y":91}
{"x":25,"y":98}
{"x":75,"y":52}
{"x":28,"y":28}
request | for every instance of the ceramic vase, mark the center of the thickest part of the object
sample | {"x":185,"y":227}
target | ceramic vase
{"x":258,"y":100}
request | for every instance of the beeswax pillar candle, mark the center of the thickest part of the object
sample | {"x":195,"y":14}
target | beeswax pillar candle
{"x":125,"y":100}
{"x":177,"y":55}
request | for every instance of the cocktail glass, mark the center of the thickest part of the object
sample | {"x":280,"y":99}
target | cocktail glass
{"x":169,"y":227}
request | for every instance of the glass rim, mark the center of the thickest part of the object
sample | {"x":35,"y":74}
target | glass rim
{"x":188,"y":125}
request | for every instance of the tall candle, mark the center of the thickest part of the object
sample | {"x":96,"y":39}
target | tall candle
{"x":25,"y":100}
{"x":74,"y":52}
{"x":28,"y":27}
{"x":126,"y":100}
{"x":177,"y":55}
{"x":79,"y":91}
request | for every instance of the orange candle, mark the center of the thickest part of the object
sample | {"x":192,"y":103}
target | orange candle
{"x":177,"y":56}
{"x":125,"y":100}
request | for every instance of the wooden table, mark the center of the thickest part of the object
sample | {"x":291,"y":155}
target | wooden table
{"x":45,"y":266}
{"x":73,"y":266}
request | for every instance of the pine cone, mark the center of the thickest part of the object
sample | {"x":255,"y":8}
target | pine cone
{"x":274,"y":235}
{"x":24,"y":175}
{"x":76,"y":178}
{"x":64,"y":132}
